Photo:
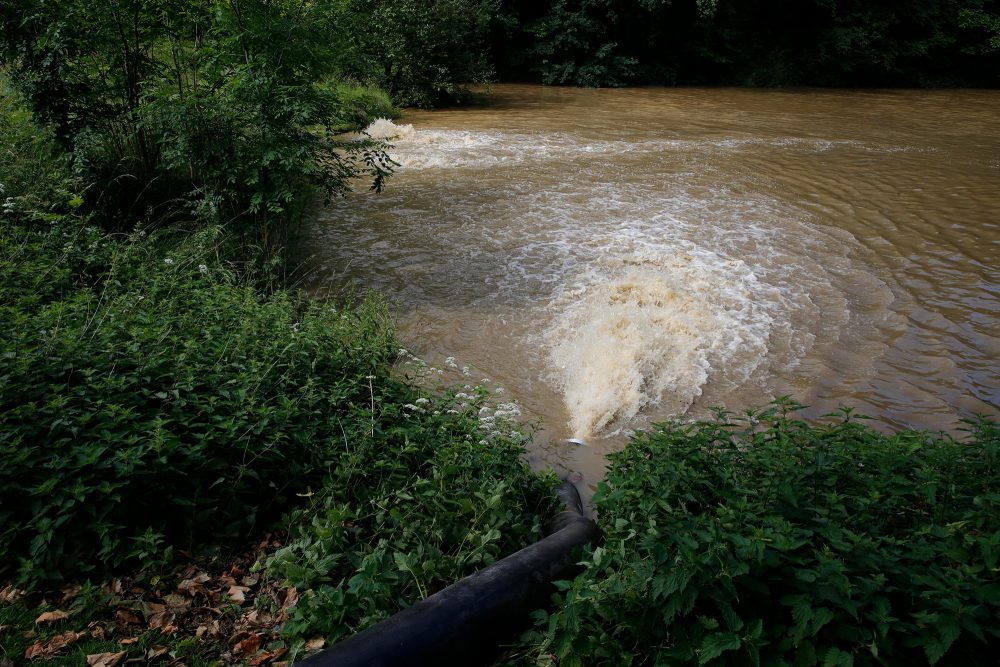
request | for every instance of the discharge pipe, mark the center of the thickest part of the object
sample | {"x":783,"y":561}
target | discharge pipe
{"x":463,"y":623}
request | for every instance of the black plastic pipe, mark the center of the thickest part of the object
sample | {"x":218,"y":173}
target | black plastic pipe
{"x":463,"y":623}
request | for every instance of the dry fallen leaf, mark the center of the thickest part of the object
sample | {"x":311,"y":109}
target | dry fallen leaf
{"x":105,"y":659}
{"x":268,"y":657}
{"x":161,"y":620}
{"x":96,"y":631}
{"x":248,"y":646}
{"x":130,"y":640}
{"x":128,"y":617}
{"x":156,"y":652}
{"x":51,"y":617}
{"x":238,"y":594}
{"x":194,"y":585}
{"x":291,"y":598}
{"x":10,"y":594}
{"x":46,"y":649}
{"x":315,"y":644}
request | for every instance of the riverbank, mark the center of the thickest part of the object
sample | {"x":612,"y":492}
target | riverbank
{"x":202,"y":466}
{"x":207,"y":466}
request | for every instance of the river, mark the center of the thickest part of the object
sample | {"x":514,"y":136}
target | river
{"x":616,"y":257}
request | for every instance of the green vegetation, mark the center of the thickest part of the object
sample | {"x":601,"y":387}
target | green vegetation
{"x":160,"y":398}
{"x":426,"y":53}
{"x":238,"y":470}
{"x":755,"y":43}
{"x":764,"y":540}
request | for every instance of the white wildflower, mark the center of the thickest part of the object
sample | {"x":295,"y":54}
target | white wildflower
{"x":466,"y":371}
{"x":168,"y":261}
{"x":203,"y":268}
{"x":422,"y":400}
{"x":450,"y":362}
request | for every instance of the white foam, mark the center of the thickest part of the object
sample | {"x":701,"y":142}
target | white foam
{"x":652,"y":331}
{"x":383,"y":128}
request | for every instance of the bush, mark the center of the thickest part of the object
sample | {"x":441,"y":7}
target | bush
{"x":767,"y":540}
{"x":422,"y":496}
{"x":357,"y":106}
{"x":170,"y":403}
{"x":427,"y":53}
{"x":191,"y":107}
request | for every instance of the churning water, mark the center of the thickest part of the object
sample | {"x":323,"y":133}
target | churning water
{"x":616,"y":257}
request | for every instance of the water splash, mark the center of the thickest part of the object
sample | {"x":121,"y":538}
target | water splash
{"x":652,"y":331}
{"x":383,"y":128}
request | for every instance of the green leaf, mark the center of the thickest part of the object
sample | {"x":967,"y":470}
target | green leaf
{"x":712,"y":646}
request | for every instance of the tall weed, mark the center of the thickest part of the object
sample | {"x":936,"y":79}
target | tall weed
{"x":766,"y":540}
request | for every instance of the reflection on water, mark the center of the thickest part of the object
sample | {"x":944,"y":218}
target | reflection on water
{"x":616,"y":257}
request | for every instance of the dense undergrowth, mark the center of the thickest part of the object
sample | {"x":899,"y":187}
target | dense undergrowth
{"x":766,"y":540}
{"x":161,"y":402}
{"x":218,"y":469}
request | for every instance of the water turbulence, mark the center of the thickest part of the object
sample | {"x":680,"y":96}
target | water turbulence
{"x":650,"y":331}
{"x":614,"y":258}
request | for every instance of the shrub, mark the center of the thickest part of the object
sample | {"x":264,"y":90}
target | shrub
{"x":192,"y":106}
{"x":357,"y":106}
{"x":168,"y":403}
{"x":427,"y":53}
{"x":422,"y":497}
{"x":742,"y":541}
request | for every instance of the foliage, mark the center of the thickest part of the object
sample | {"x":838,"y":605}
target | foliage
{"x":191,"y":106}
{"x":358,"y":106}
{"x":420,"y":499}
{"x":428,"y":51}
{"x":763,"y":539}
{"x":751,"y":42}
{"x":169,"y":405}
{"x":571,"y":46}
{"x":153,"y":400}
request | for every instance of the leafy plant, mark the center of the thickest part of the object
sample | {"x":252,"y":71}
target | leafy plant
{"x":419,"y":500}
{"x":151,"y":395}
{"x":427,"y":53}
{"x":192,"y":106}
{"x":765,"y":540}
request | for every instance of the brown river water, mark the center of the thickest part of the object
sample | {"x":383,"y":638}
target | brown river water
{"x":612,"y":258}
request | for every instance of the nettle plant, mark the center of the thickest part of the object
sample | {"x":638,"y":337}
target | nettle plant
{"x":424,"y":494}
{"x":192,"y":106}
{"x":764,"y":540}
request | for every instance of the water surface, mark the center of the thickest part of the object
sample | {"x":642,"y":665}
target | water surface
{"x":617,"y":257}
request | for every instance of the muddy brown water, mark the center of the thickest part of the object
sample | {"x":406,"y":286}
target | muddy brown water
{"x":612,"y":258}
